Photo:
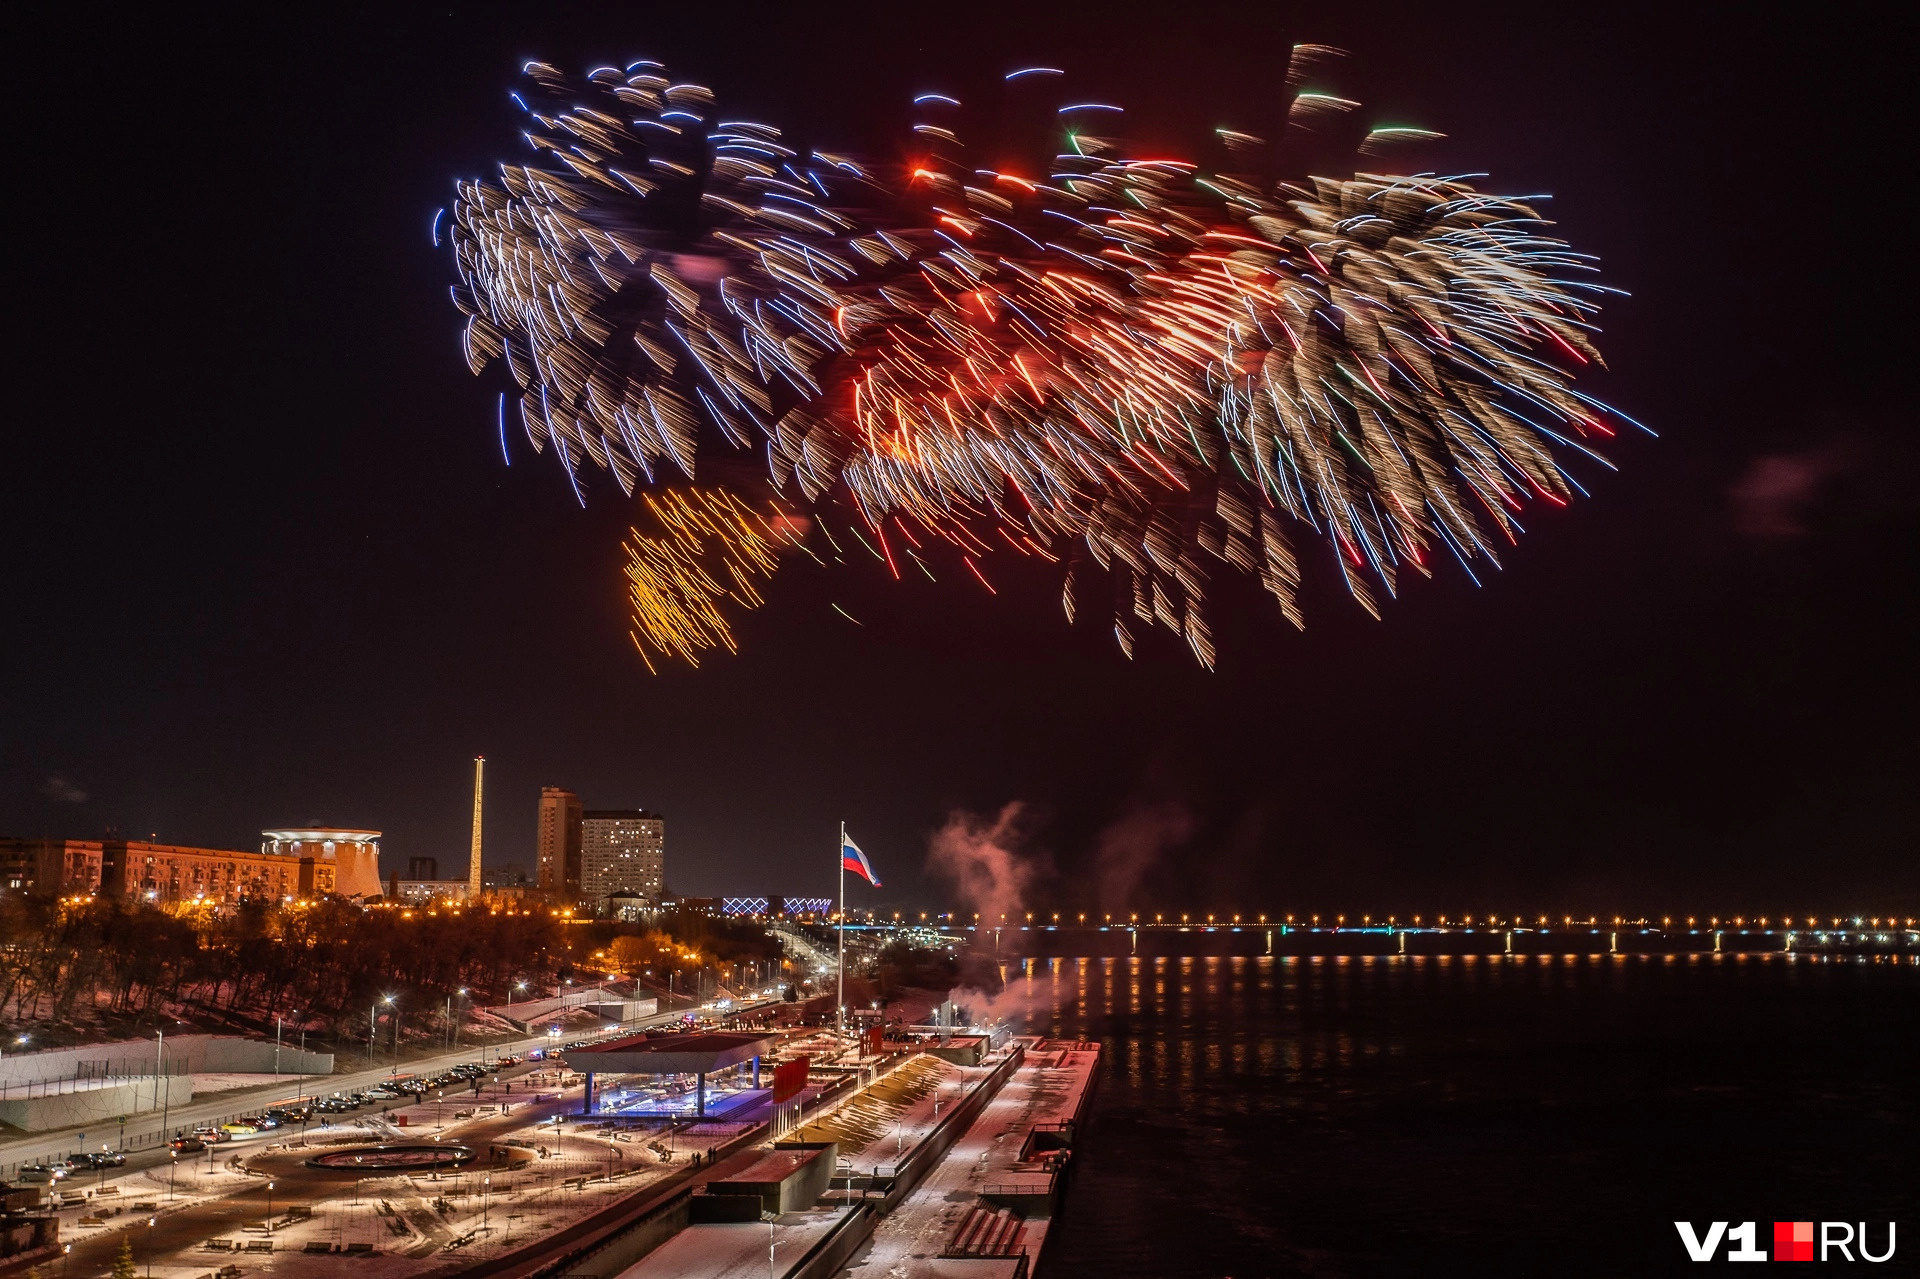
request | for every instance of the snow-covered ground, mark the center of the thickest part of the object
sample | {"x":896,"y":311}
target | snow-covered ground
{"x":229,"y":1081}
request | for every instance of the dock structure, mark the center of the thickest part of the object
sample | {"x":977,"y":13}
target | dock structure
{"x":991,"y":1199}
{"x":911,"y":1165}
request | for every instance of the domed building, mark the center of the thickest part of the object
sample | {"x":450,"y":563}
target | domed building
{"x":355,"y":855}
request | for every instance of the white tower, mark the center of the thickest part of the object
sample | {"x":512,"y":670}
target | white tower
{"x":473,"y":866}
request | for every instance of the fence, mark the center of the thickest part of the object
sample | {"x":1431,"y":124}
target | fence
{"x":88,"y":1081}
{"x":178,"y":1055}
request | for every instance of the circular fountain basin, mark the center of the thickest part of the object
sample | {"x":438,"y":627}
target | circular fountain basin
{"x":363,"y":1159}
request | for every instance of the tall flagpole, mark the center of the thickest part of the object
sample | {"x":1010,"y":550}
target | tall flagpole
{"x":841,"y":854}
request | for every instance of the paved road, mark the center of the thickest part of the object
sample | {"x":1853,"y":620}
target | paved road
{"x":147,"y":1129}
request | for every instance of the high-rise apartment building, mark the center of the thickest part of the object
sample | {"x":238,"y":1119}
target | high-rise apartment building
{"x":623,"y":851}
{"x":559,"y":843}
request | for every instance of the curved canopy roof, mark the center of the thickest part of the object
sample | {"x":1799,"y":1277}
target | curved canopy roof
{"x":699,"y":1053}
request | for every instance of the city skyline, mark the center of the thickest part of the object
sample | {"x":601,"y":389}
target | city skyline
{"x":1688,"y":686}
{"x":869,"y":639}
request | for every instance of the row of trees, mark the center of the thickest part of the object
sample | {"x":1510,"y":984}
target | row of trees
{"x":324,"y":965}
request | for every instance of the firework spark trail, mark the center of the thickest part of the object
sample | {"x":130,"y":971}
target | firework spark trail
{"x":712,"y":547}
{"x":1119,"y":364}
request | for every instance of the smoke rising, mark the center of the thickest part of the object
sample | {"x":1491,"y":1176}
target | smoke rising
{"x":1130,"y":846}
{"x":983,"y":861}
{"x":1775,"y":498}
{"x":62,"y":790}
{"x":1021,"y":1001}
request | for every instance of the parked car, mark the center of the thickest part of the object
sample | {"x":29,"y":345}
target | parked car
{"x":41,"y":1175}
{"x":109,"y":1159}
{"x":187,"y":1145}
{"x":212,"y":1134}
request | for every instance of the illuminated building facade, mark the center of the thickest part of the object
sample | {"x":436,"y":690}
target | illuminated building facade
{"x":422,"y":892}
{"x":64,"y":866}
{"x":794,"y":906}
{"x":623,"y":851}
{"x":353,"y":854}
{"x":559,"y":843}
{"x":157,"y":873}
{"x":163,"y":873}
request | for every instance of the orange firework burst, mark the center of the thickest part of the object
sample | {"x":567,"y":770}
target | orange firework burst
{"x":1122,"y":364}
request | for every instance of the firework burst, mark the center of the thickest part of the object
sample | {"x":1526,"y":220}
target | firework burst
{"x":1121,"y":364}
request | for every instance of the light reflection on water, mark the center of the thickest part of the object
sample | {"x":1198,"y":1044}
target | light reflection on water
{"x":1403,"y":1115}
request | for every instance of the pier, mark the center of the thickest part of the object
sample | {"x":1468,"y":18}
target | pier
{"x":955,"y":1150}
{"x":993,"y":1196}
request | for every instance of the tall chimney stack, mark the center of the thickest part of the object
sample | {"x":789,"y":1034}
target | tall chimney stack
{"x":473,"y":866}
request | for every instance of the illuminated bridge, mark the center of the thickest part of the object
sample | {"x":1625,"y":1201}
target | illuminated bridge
{"x":1489,"y":936}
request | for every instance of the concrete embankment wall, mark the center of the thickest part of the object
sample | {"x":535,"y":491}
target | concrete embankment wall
{"x":50,"y":1090}
{"x":182,"y":1054}
{"x":831,"y":1253}
{"x":924,"y":1157}
{"x":96,"y":1105}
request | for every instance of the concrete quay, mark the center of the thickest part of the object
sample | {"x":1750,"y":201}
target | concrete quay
{"x":985,"y":1209}
{"x":937,"y":1169}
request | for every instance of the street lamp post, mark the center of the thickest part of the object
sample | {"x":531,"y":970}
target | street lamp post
{"x":771,"y":1219}
{"x":269,"y":1207}
{"x":166,"y":1101}
{"x":173,"y":1165}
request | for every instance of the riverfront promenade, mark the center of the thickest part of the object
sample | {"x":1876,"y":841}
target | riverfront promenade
{"x":992,"y":1198}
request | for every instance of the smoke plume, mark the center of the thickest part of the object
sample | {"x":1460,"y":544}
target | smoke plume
{"x":1775,"y":498}
{"x":982,"y":860}
{"x":1130,"y":846}
{"x":62,"y":790}
{"x":1022,"y":1001}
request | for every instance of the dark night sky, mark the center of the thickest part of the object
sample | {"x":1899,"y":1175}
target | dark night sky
{"x":264,"y":564}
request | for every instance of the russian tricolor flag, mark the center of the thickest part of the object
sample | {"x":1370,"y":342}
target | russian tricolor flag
{"x":851,"y":858}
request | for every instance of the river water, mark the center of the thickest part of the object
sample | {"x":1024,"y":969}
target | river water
{"x":1488,"y":1115}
